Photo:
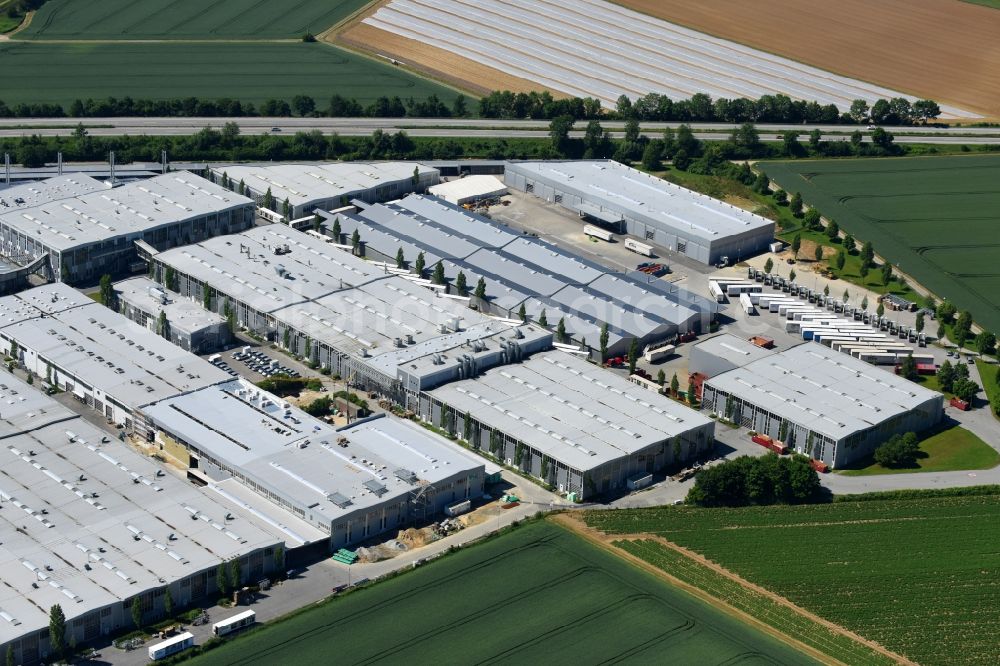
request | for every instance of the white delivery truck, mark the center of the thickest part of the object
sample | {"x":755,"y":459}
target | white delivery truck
{"x":597,"y":232}
{"x":638,"y":248}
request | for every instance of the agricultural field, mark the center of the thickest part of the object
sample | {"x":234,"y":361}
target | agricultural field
{"x":918,"y":576}
{"x":250,"y":72}
{"x":933,"y":217}
{"x":928,"y":48}
{"x":537,"y":594}
{"x":598,"y":49}
{"x":185,"y":19}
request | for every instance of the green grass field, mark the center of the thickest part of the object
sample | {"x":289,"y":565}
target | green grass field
{"x":936,"y":217}
{"x":60,"y":73}
{"x":920,"y":576}
{"x":185,"y":19}
{"x":537,"y":595}
{"x":949,"y":450}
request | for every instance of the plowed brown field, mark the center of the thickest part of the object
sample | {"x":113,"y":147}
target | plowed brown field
{"x":945,"y":50}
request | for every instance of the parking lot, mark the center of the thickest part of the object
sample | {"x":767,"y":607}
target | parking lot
{"x":254,"y":363}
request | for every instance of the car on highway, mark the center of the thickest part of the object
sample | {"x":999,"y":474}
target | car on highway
{"x":275,"y":129}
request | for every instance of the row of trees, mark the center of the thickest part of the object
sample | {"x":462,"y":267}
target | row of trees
{"x":702,"y":108}
{"x":300,"y":105}
{"x":761,"y":480}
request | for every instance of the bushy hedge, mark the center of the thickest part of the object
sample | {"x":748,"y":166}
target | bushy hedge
{"x":743,"y":481}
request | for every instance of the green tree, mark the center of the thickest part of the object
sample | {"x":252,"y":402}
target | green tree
{"x":812,"y":220}
{"x":136,"y":612}
{"x":985,"y":343}
{"x":559,"y":129}
{"x":57,"y":630}
{"x":832,"y":230}
{"x":561,"y":330}
{"x":168,"y":602}
{"x":222,"y":578}
{"x":692,"y":394}
{"x":170,"y":278}
{"x":880,"y":310}
{"x":946,"y":376}
{"x":460,"y":284}
{"x":818,"y":252}
{"x":437,"y":277}
{"x":480,"y":291}
{"x":651,"y":156}
{"x":522,"y":313}
{"x":107,"y":292}
{"x":847,"y":296}
{"x":235,"y":574}
{"x":762,"y":184}
{"x":10,"y":655}
{"x":864,"y":303}
{"x":162,"y":325}
{"x":796,"y":245}
{"x":355,"y":241}
{"x":206,"y":297}
{"x":675,"y":385}
{"x":661,"y":377}
{"x":791,"y":275}
{"x":863,"y":272}
{"x":795,"y":205}
{"x":418,"y":265}
{"x":768,"y":266}
{"x":919,"y":324}
{"x":841,"y":260}
{"x":849,"y":243}
{"x":286,"y":339}
{"x":867,"y":253}
{"x":603,"y":340}
{"x":965,"y":389}
{"x":286,"y":209}
{"x":898,"y":451}
{"x":400,"y":259}
{"x":459,"y":107}
{"x":242,"y":189}
{"x":268,"y":200}
{"x":908,"y":368}
{"x":335,"y":231}
{"x":633,"y":355}
{"x":682,"y":160}
{"x":826,"y":290}
{"x":886,"y":274}
{"x":781,"y":197}
{"x":415,"y":178}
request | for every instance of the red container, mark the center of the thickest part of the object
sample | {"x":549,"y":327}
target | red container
{"x":819,"y":466}
{"x":959,"y":404}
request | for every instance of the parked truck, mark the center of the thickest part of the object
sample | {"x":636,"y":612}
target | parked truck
{"x":597,"y":232}
{"x":638,"y":248}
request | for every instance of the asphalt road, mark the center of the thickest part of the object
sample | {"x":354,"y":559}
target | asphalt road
{"x":444,"y":127}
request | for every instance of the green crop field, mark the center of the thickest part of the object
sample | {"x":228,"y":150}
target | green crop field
{"x":536,"y":595}
{"x":920,"y":576}
{"x":60,"y":73}
{"x":938,"y":218}
{"x":185,"y":19}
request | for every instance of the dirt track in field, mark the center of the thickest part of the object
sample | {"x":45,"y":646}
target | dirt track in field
{"x":945,"y":50}
{"x":604,"y":540}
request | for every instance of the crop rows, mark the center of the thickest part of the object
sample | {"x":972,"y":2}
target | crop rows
{"x":537,"y":594}
{"x":930,"y":216}
{"x":755,"y":604}
{"x":919,"y":576}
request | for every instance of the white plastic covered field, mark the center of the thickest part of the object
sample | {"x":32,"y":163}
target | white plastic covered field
{"x":598,"y":49}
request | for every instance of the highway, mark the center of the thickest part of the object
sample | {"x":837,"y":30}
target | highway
{"x":445,"y":127}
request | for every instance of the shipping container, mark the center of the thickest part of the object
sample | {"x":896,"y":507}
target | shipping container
{"x":234,"y":623}
{"x":716,"y":291}
{"x":959,"y":404}
{"x":638,"y":248}
{"x":747,"y":304}
{"x":171,"y":646}
{"x":597,"y":232}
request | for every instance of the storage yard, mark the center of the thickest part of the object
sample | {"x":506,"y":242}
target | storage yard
{"x":949,"y":66}
{"x":592,"y":48}
{"x":929,"y":216}
{"x":539,"y":591}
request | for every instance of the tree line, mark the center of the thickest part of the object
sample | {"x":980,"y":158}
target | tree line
{"x":702,"y":108}
{"x":762,"y":480}
{"x":194,"y":107}
{"x":504,"y":105}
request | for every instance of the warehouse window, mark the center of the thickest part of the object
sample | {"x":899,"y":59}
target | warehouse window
{"x":650,"y":235}
{"x":682,"y":246}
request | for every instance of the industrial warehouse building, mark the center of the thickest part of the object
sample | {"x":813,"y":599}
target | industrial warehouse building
{"x":187,"y":325}
{"x":469,"y":189}
{"x":577,"y":427}
{"x":111,"y":364}
{"x":825,"y":404}
{"x":380,"y":331}
{"x":94,"y":231}
{"x":352,"y":483}
{"x":91,"y":525}
{"x":308,"y":187}
{"x":521,"y":270}
{"x":626,"y":200}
